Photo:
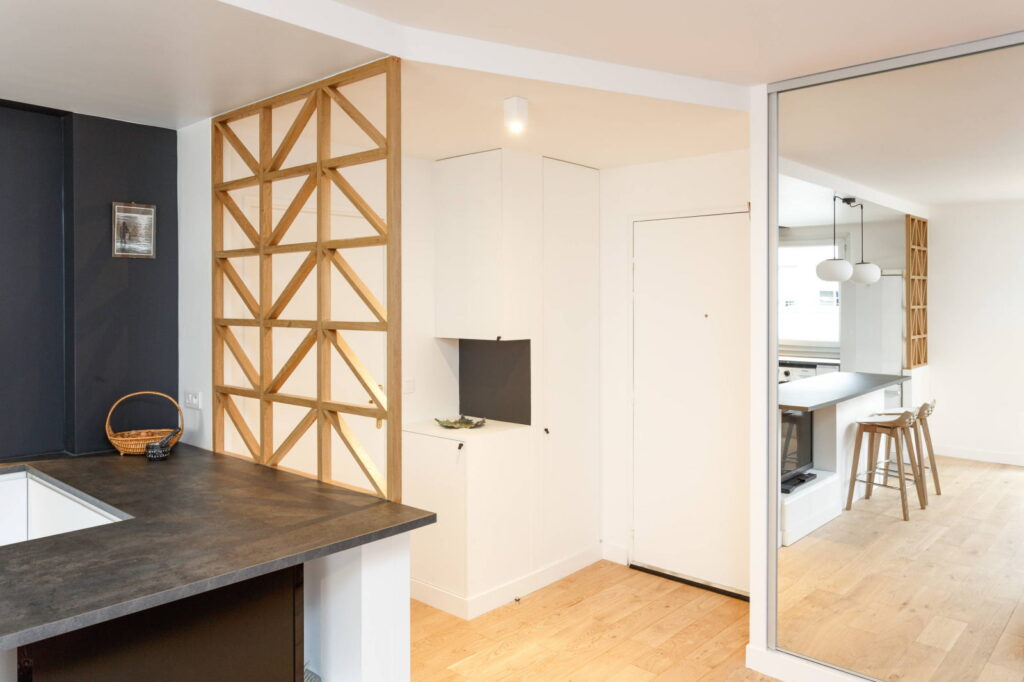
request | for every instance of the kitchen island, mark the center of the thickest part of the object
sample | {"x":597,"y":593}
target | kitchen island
{"x":837,"y":401}
{"x":198,"y":524}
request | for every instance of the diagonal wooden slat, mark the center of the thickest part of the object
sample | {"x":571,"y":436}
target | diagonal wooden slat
{"x":361,"y":204}
{"x":358,"y":452}
{"x":288,"y":443}
{"x":357,"y":117}
{"x":240,"y":217}
{"x":243,"y":429}
{"x":239,"y":147}
{"x":290,"y":289}
{"x":359,"y":369}
{"x":290,"y":365}
{"x":359,"y":286}
{"x":294,"y":132}
{"x":290,"y":213}
{"x":236,"y":281}
{"x":243,"y":360}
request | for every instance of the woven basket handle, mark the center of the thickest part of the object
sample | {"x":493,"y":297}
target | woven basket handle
{"x":181,"y":417}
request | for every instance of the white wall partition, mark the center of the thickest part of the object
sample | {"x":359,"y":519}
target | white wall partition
{"x":677,"y":187}
{"x":975,"y":329}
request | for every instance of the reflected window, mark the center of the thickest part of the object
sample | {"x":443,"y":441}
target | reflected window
{"x":808,"y":307}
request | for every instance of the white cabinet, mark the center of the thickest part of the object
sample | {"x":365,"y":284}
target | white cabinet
{"x":478,"y":482}
{"x":487,"y":236}
{"x":518,"y":506}
{"x":569,"y":465}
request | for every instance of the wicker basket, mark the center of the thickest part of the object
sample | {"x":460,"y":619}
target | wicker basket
{"x":134,"y":442}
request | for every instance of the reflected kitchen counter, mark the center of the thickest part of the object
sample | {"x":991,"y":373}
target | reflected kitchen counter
{"x":824,"y":390}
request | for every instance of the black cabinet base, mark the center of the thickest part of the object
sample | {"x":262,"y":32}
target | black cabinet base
{"x":249,"y":631}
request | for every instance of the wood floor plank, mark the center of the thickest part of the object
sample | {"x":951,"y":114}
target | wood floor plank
{"x":603,"y":623}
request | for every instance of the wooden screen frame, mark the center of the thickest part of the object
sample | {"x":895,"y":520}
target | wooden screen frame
{"x":917,"y":291}
{"x":323,"y":255}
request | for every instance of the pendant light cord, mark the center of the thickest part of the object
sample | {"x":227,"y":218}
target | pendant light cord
{"x":835,"y":250}
{"x":862,"y":259}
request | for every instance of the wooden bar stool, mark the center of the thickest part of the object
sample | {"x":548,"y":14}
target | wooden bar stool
{"x":923,"y":442}
{"x":895,"y":429}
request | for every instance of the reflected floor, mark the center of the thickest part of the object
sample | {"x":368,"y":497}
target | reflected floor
{"x":935,"y":598}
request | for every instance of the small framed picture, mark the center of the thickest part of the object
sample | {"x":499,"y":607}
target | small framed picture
{"x":134,"y":231}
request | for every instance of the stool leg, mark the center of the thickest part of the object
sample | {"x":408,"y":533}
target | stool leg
{"x":853,"y":469}
{"x":873,"y":439}
{"x":888,"y":449}
{"x":916,"y":469}
{"x":931,"y":454}
{"x":902,"y":476}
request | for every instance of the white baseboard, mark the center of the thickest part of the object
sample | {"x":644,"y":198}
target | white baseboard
{"x":791,"y":668}
{"x":974,"y":454}
{"x":615,"y":553}
{"x":479,"y":604}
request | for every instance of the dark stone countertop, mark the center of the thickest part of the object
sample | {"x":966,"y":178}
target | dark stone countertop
{"x":200,"y":521}
{"x":814,"y":393}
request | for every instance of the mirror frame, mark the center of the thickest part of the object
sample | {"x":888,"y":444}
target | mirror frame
{"x":770,"y":628}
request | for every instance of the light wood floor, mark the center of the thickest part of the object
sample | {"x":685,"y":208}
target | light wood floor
{"x":605,"y":622}
{"x":936,"y":598}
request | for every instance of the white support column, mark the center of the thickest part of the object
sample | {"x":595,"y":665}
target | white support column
{"x":357,"y":613}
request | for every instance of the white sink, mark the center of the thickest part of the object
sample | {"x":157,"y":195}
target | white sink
{"x":34,"y":505}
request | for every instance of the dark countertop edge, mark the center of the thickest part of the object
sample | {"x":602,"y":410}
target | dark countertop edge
{"x":79,"y":621}
{"x":894,"y":379}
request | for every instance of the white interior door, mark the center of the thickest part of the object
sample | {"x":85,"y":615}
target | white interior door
{"x":690,"y":367}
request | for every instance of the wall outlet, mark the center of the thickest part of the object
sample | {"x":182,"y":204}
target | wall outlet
{"x":194,"y":400}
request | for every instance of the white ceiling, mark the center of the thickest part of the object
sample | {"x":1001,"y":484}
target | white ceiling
{"x":740,"y":41}
{"x":803,"y":204}
{"x":448,"y":111}
{"x":158,"y":62}
{"x":946,"y":132}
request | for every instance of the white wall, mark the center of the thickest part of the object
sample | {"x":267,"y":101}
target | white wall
{"x":431,"y":365}
{"x":195,"y":326}
{"x":678,"y":187}
{"x":976,"y":330}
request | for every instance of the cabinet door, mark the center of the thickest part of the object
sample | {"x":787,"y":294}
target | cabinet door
{"x":468,"y":244}
{"x":569,"y":464}
{"x":434,"y":478}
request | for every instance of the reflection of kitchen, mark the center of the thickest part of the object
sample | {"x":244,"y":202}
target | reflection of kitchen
{"x":842,"y":338}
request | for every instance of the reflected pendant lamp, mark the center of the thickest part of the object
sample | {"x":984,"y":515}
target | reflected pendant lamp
{"x":834,"y":269}
{"x":864,"y":272}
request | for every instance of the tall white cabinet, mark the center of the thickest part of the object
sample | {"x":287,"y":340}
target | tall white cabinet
{"x":518,"y":505}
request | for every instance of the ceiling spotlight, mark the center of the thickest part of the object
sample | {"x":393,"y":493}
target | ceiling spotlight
{"x":516,"y":114}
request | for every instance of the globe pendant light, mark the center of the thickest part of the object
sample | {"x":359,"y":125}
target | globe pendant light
{"x":834,"y":269}
{"x":864,"y":272}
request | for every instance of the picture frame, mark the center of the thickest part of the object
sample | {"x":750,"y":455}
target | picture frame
{"x":133,"y":230}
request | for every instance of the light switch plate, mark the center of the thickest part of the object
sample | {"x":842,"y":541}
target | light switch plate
{"x":408,"y":386}
{"x":194,"y":400}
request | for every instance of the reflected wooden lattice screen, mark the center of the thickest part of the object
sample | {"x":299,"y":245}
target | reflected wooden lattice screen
{"x":306,"y":272}
{"x":917,"y":291}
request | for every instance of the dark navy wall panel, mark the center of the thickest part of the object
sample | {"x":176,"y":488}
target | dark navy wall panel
{"x":125,"y":310}
{"x":31,"y":283}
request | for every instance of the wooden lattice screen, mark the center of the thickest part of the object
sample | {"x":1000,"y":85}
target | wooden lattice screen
{"x":917,"y":291}
{"x":267,"y":267}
